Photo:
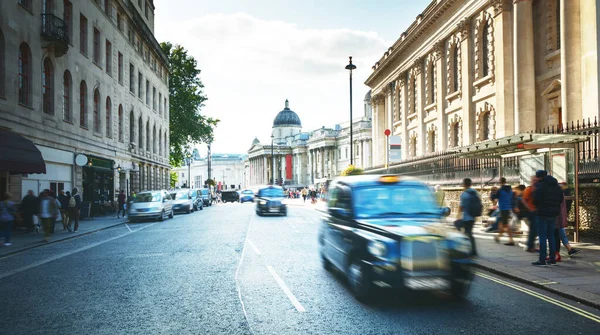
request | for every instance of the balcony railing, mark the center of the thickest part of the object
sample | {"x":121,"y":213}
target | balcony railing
{"x":54,"y":29}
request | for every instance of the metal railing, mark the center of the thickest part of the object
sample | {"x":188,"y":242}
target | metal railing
{"x":54,"y":28}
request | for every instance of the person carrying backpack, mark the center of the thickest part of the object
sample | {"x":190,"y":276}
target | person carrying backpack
{"x":470,"y":207}
{"x":8,"y":213}
{"x":74,"y":207}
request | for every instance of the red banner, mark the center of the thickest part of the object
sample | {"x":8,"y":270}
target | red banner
{"x":288,"y":166}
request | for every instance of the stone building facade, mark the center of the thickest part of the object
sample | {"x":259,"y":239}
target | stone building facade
{"x":87,"y":82}
{"x":308,"y":158}
{"x":227,"y":170}
{"x":469,"y":71}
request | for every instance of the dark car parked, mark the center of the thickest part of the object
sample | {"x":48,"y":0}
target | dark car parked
{"x":197,"y":200}
{"x":387,"y":231}
{"x":206,"y":196}
{"x":269,"y":200}
{"x":230,"y":196}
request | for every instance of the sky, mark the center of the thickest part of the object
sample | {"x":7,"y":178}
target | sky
{"x":255,"y":54}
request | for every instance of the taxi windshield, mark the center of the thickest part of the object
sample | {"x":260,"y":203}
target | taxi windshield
{"x":396,"y":200}
{"x":271,"y":192}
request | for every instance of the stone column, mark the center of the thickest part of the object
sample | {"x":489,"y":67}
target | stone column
{"x":440,"y":83}
{"x":265,"y":174}
{"x":466,"y":87}
{"x":570,"y":60}
{"x":404,"y":108}
{"x":524,"y":69}
{"x":590,"y":40}
{"x":420,"y":98}
{"x":374,"y":127}
{"x":322,"y":154}
{"x":503,"y":70}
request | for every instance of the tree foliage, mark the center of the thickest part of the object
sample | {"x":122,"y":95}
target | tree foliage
{"x":173,"y":177}
{"x":186,"y":99}
{"x":210,"y":182}
{"x":352,"y":170}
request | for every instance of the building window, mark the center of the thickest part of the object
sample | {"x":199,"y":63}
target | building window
{"x":154,"y":98}
{"x":413,"y":88}
{"x":148,"y":146}
{"x":26,"y":4}
{"x":160,"y":148}
{"x":108,"y":52}
{"x":120,"y":67}
{"x":24,"y":74}
{"x":413,"y":147}
{"x":431,"y":78}
{"x":108,"y":117}
{"x":455,"y":69}
{"x":154,"y":139}
{"x":147,"y":92}
{"x":557,"y":20}
{"x":67,"y":97}
{"x":120,"y":123}
{"x":140,"y":85}
{"x":120,"y":22}
{"x":131,"y":78}
{"x":83,"y":34}
{"x":108,"y":8}
{"x":485,"y":126}
{"x":68,"y":18}
{"x":455,"y":133}
{"x":147,"y":11}
{"x":97,"y":46}
{"x":132,"y":127}
{"x":485,"y":50}
{"x":83,"y":105}
{"x":166,"y":111}
{"x":160,"y":110}
{"x":140,"y":133}
{"x":166,"y":145}
{"x":96,"y":112}
{"x":431,"y":139}
{"x":48,"y":87}
{"x":2,"y":69}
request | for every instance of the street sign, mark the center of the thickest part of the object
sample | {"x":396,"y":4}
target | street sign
{"x":395,"y":148}
{"x":387,"y":132}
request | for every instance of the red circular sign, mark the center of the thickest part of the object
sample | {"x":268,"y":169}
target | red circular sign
{"x":387,"y":132}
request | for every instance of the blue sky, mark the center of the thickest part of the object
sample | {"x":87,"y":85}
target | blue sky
{"x":255,"y":54}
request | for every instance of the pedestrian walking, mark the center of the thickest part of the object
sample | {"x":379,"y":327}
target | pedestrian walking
{"x":547,"y":197}
{"x":8,"y":214}
{"x":47,"y":213}
{"x":74,"y":208}
{"x":121,"y":203}
{"x":532,"y":219}
{"x":560,"y":232}
{"x":439,"y":195}
{"x":470,"y":207}
{"x":58,"y":206}
{"x":29,"y":206}
{"x":304,"y":194}
{"x":505,"y":196}
{"x":64,"y":207}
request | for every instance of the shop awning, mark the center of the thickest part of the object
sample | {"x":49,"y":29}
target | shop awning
{"x":520,"y":143}
{"x":19,"y":155}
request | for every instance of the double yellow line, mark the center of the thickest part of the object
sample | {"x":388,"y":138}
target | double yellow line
{"x":558,"y":303}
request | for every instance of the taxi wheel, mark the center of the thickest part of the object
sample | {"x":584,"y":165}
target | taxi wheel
{"x":326,"y":263}
{"x":459,"y":290}
{"x":360,"y":280}
{"x":171,"y":215}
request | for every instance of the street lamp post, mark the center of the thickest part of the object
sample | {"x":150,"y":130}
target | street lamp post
{"x":209,"y":161}
{"x":272,"y":162}
{"x":351,"y":67}
{"x":189,"y":164}
{"x":223,"y":171}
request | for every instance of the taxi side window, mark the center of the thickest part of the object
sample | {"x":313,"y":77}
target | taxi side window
{"x":344,"y":200}
{"x":334,"y":197}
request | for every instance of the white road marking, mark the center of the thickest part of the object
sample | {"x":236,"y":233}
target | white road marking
{"x":237,"y":280}
{"x":126,"y":225}
{"x":286,"y":290}
{"x":69,"y":253}
{"x":253,"y":247}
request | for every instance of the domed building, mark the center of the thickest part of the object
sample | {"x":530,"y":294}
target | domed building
{"x":286,"y":124}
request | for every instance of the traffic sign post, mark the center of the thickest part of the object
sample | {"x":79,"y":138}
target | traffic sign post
{"x":387,"y":133}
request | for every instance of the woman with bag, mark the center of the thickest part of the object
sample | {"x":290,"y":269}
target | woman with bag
{"x":8,"y":213}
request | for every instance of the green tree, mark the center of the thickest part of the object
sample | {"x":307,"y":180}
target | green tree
{"x":352,"y":170}
{"x":186,"y":99}
{"x":173,"y":177}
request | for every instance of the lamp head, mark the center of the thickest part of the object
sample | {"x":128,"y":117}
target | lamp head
{"x":350,"y":66}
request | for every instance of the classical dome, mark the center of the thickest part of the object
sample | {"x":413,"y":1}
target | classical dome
{"x":287,"y":118}
{"x":256,"y":141}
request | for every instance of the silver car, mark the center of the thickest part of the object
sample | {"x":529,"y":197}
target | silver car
{"x":182,"y":201}
{"x":150,"y":205}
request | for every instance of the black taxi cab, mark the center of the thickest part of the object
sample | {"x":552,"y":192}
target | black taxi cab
{"x":269,"y":200}
{"x":387,"y":231}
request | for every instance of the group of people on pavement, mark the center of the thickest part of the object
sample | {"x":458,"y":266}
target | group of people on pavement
{"x":40,"y":211}
{"x":542,"y":204}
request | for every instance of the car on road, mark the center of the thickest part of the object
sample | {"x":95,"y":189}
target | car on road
{"x":207,"y":198}
{"x":269,"y":200}
{"x":150,"y":205}
{"x":182,"y":201}
{"x":230,"y":196}
{"x":197,"y":200}
{"x":246,"y":196}
{"x":387,"y":231}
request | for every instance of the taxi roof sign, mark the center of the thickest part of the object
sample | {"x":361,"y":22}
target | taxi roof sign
{"x":389,"y":179}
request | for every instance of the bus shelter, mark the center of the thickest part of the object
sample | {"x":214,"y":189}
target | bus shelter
{"x":556,"y":153}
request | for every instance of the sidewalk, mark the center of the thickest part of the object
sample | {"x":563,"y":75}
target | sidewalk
{"x":23,"y":241}
{"x":576,"y":277}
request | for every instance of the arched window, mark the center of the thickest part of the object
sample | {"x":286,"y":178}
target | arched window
{"x":140,"y":133}
{"x":432,"y":135}
{"x":431,"y":82}
{"x":414,"y":94}
{"x":96,"y":110}
{"x":2,"y":69}
{"x":83,"y":105}
{"x":413,"y":147}
{"x":24,"y":74}
{"x":455,"y":69}
{"x":455,"y":134}
{"x":67,"y":96}
{"x":160,"y":148}
{"x":132,"y":127}
{"x":148,"y":143}
{"x":108,"y":117}
{"x":485,"y":50}
{"x":120,"y":123}
{"x":48,"y":87}
{"x":485,"y":126}
{"x":154,"y":140}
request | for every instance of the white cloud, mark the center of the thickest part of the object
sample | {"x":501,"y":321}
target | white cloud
{"x":250,"y":66}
